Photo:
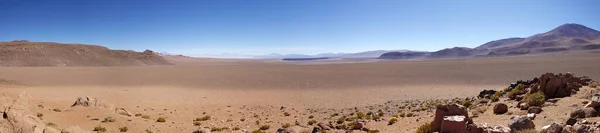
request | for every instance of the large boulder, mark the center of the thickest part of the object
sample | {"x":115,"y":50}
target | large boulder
{"x":583,"y":113}
{"x":448,"y":110}
{"x":520,"y":123}
{"x":454,"y":124}
{"x":561,"y":85}
{"x":500,"y":108}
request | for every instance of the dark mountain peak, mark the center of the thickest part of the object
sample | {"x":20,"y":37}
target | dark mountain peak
{"x":569,"y":30}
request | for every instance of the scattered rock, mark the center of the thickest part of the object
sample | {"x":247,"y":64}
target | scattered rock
{"x":91,"y":102}
{"x":595,"y":101}
{"x":520,"y":122}
{"x":486,"y":94}
{"x":202,"y":130}
{"x":561,"y":85}
{"x":324,"y":126}
{"x":17,"y":116}
{"x":584,"y":113}
{"x":123,"y":111}
{"x":535,"y":109}
{"x":571,"y":121}
{"x":500,"y":108}
{"x":552,"y":128}
{"x":73,"y":129}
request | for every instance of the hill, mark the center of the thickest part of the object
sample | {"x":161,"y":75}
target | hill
{"x":25,"y":53}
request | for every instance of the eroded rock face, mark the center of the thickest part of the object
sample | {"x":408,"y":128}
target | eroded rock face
{"x":449,"y":110}
{"x":561,"y":85}
{"x":520,"y":123}
{"x":454,"y":124}
{"x":18,"y":118}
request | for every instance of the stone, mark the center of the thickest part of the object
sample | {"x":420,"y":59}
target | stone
{"x":552,"y":128}
{"x":571,"y":121}
{"x":531,"y":116}
{"x":534,"y":109}
{"x":580,"y":128}
{"x":73,"y":129}
{"x":324,"y":126}
{"x":583,"y":113}
{"x":91,"y":102}
{"x":123,"y":111}
{"x":500,"y":108}
{"x":448,"y":110}
{"x":595,"y":101}
{"x":202,"y":130}
{"x":520,"y":123}
{"x":560,"y":85}
{"x":553,"y":100}
{"x":523,"y":106}
{"x":486,"y":94}
{"x":292,"y":129}
{"x":18,"y":117}
{"x":454,"y":124}
{"x":472,"y":128}
{"x":567,"y":129}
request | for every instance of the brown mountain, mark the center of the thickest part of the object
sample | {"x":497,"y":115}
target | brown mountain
{"x":24,"y":53}
{"x":563,"y":38}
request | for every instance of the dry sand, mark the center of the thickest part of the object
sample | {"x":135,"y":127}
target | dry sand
{"x":229,"y":90}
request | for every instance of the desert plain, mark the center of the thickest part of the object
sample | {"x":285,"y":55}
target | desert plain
{"x":243,"y":95}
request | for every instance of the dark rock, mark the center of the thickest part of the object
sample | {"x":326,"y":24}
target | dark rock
{"x":583,"y":113}
{"x":535,"y":109}
{"x":500,"y":108}
{"x":486,"y":94}
{"x":520,"y":123}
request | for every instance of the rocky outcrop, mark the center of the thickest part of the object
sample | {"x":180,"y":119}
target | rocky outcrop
{"x":449,"y":110}
{"x":454,"y":124}
{"x":91,"y":102}
{"x":520,"y":123}
{"x":552,"y":128}
{"x":18,"y":117}
{"x":561,"y":85}
{"x":583,"y":113}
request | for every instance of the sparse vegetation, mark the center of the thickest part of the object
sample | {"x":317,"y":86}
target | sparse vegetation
{"x":425,"y":128}
{"x":243,"y":119}
{"x":109,"y":119}
{"x":196,"y":123}
{"x":40,"y":115}
{"x":56,"y":110}
{"x":258,"y":131}
{"x":535,"y":99}
{"x":286,"y":114}
{"x":334,"y":114}
{"x":466,"y":103}
{"x":496,"y":96}
{"x":311,"y":116}
{"x":146,"y":117}
{"x":51,"y":124}
{"x":236,"y":128}
{"x":286,"y":125}
{"x":392,"y":120}
{"x":123,"y":129}
{"x":360,"y":115}
{"x":99,"y":129}
{"x":311,"y":122}
{"x":479,"y":110}
{"x":161,"y":119}
{"x":265,"y":127}
{"x":218,"y":129}
{"x":204,"y":118}
{"x":373,"y":131}
{"x":138,"y":115}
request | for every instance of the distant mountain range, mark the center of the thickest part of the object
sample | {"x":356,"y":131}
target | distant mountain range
{"x":563,"y":38}
{"x":366,"y":54}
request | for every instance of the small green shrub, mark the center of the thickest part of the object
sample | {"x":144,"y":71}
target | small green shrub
{"x":265,"y":127}
{"x":196,"y":123}
{"x":425,"y":128}
{"x":286,"y":125}
{"x":392,"y":120}
{"x":236,"y":128}
{"x":311,"y":122}
{"x":146,"y":117}
{"x":123,"y":129}
{"x":373,"y":131}
{"x":99,"y":129}
{"x":204,"y":118}
{"x":51,"y":124}
{"x":109,"y":119}
{"x":161,"y":119}
{"x":258,"y":131}
{"x":138,"y":115}
{"x":535,"y":99}
{"x":465,"y":103}
{"x":334,"y":114}
{"x":218,"y":129}
{"x":286,"y":114}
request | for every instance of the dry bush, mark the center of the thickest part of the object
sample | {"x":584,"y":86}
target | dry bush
{"x":425,"y":128}
{"x":535,"y":99}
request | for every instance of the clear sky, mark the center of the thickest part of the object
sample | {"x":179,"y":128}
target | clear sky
{"x":254,"y":27}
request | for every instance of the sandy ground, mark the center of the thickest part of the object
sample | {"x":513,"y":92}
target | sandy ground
{"x":231,"y":90}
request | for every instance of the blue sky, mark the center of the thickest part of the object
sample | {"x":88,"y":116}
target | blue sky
{"x":255,"y":27}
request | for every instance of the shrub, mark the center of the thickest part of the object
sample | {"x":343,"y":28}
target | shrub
{"x":197,"y":123}
{"x":392,"y":121}
{"x":311,"y":116}
{"x":360,"y":115}
{"x":340,"y":126}
{"x":594,"y":84}
{"x":109,"y":119}
{"x":410,"y":114}
{"x":99,"y":129}
{"x":257,"y":131}
{"x":479,"y":110}
{"x":161,"y":119}
{"x":535,"y":99}
{"x":236,"y":128}
{"x":40,"y":115}
{"x":51,"y":124}
{"x":286,"y":125}
{"x":218,"y":129}
{"x":56,"y":110}
{"x":243,"y":119}
{"x":496,"y":96}
{"x":311,"y":122}
{"x":146,"y":117}
{"x":265,"y":127}
{"x":138,"y":115}
{"x":257,"y":122}
{"x":465,"y":103}
{"x":341,"y":120}
{"x":425,"y":128}
{"x":334,"y":114}
{"x":204,"y":118}
{"x":123,"y":129}
{"x":286,"y":114}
